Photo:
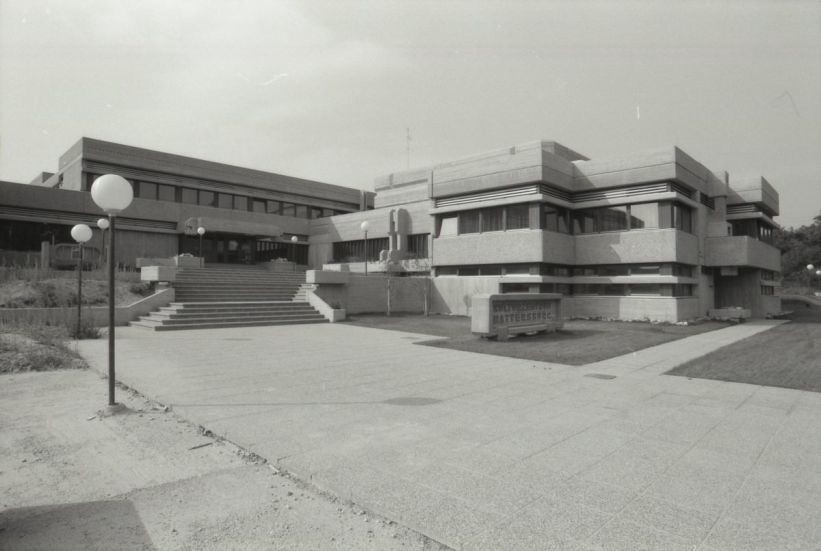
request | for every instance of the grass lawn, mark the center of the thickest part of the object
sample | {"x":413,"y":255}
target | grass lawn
{"x":579,"y":343}
{"x":787,"y":356}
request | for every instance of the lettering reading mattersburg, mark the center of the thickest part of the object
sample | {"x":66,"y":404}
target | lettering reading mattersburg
{"x":506,"y":313}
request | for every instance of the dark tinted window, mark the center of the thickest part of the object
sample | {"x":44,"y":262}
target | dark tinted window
{"x":166,"y":193}
{"x":301,"y":211}
{"x":258,"y":205}
{"x":274,"y":207}
{"x":207,"y":198}
{"x":288,"y":209}
{"x":240,"y":202}
{"x":518,"y":217}
{"x":189,"y":196}
{"x":148,"y":190}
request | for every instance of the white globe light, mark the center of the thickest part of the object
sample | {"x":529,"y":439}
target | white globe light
{"x":201,"y":230}
{"x":102,"y":223}
{"x":810,"y":267}
{"x":364,"y":225}
{"x":112,"y":193}
{"x":294,"y":238}
{"x":81,"y":233}
{"x":818,"y":273}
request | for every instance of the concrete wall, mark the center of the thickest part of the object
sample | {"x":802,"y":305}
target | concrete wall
{"x":663,"y":245}
{"x":741,"y":250}
{"x":451,"y":295}
{"x":369,"y":294}
{"x":98,"y":314}
{"x":492,"y":248}
{"x":633,"y":308}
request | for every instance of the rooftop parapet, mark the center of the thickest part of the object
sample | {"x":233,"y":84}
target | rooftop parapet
{"x":754,"y":190}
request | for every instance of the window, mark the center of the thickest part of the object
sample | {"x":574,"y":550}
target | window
{"x":645,"y":270}
{"x":682,"y":270}
{"x":468,"y":271}
{"x":302,"y":211}
{"x":584,"y":222}
{"x":492,"y":219}
{"x":614,"y":270}
{"x":447,"y":271}
{"x":767,"y":290}
{"x":207,"y":198}
{"x":418,"y":245}
{"x":644,"y":215}
{"x":147,"y":190}
{"x":518,"y":216}
{"x":315,"y":212}
{"x":166,"y":193}
{"x":240,"y":202}
{"x":682,"y":290}
{"x":449,"y":225}
{"x":682,"y":218}
{"x":611,"y":219}
{"x":555,"y":219}
{"x":189,"y":196}
{"x":225,"y":201}
{"x":586,"y":289}
{"x":288,"y":209}
{"x":645,"y":289}
{"x":469,"y":222}
{"x":273,"y":207}
{"x":612,"y":290}
{"x":258,"y":205}
{"x":327,"y":212}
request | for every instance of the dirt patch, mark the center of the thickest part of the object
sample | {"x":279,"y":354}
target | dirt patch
{"x":578,"y":343}
{"x":19,"y":353}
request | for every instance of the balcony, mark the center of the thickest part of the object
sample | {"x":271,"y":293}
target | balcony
{"x":740,"y":250}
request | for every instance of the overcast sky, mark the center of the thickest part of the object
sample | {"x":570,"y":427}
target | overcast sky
{"x":325,"y":90}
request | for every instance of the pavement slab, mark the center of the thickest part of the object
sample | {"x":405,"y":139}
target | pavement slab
{"x":488,"y":452}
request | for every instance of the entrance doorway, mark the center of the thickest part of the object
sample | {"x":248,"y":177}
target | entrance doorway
{"x":221,"y":248}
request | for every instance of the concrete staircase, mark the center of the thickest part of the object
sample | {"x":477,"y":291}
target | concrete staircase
{"x":234,"y":296}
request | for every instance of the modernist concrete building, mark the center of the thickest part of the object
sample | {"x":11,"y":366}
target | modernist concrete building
{"x":654,"y":235}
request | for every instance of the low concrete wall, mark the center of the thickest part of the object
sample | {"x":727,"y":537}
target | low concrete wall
{"x":451,"y":295}
{"x":98,"y":314}
{"x":368,"y":294}
{"x":329,"y":312}
{"x":633,"y":308}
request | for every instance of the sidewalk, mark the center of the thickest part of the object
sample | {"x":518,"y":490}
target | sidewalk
{"x":496,"y":453}
{"x":146,"y":480}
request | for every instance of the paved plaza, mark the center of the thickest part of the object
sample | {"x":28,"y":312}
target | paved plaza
{"x":486,"y":452}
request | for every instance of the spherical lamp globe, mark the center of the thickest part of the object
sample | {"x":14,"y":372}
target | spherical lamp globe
{"x":103,"y":224}
{"x":364,"y":225}
{"x":81,"y":233}
{"x":112,"y":193}
{"x":201,"y":231}
{"x":294,"y":239}
{"x":810,"y":267}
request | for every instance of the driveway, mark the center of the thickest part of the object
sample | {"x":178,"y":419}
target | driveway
{"x":485,"y":452}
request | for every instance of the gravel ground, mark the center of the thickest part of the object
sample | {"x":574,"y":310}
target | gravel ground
{"x":73,"y":478}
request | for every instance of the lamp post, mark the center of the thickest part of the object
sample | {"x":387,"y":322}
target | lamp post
{"x":113,"y":194}
{"x":364,"y":227}
{"x":81,"y":233}
{"x":201,"y":232}
{"x":294,"y":240}
{"x":102,"y":223}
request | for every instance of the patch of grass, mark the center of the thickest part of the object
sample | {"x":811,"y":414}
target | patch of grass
{"x":29,"y":347}
{"x":578,"y":343}
{"x":787,"y":356}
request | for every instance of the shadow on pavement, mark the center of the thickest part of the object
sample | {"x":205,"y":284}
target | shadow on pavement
{"x":113,"y":524}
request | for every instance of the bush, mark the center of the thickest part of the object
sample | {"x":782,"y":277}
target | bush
{"x":142,"y":288}
{"x":87,"y":329}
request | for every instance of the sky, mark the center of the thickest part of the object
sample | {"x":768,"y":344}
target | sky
{"x":328,"y":90}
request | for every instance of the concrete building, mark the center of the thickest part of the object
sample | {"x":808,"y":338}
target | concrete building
{"x":654,"y":235}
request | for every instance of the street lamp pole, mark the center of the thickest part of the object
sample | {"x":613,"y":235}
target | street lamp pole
{"x":81,"y":233}
{"x":364,"y":227}
{"x":201,"y":232}
{"x":102,"y":223}
{"x":113,"y":194}
{"x":294,"y":240}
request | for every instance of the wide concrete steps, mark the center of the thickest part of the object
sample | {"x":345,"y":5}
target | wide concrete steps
{"x":234,"y":296}
{"x":229,"y":314}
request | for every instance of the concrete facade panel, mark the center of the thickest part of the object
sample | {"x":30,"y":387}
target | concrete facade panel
{"x":741,"y":250}
{"x":632,"y":308}
{"x":664,"y":245}
{"x":451,"y":295}
{"x":514,"y":246}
